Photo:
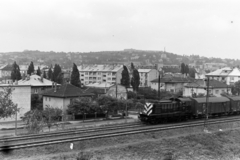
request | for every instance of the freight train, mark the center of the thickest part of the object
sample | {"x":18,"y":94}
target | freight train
{"x":188,"y":108}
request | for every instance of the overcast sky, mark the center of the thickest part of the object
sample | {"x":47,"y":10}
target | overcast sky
{"x":207,"y":28}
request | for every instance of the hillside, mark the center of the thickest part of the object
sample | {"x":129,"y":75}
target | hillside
{"x":127,"y":55}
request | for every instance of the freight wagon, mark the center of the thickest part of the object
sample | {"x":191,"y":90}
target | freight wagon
{"x":187,"y":108}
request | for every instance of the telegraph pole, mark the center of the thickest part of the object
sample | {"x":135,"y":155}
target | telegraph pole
{"x":206,"y":110}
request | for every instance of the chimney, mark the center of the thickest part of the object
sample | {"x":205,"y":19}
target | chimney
{"x":55,"y":87}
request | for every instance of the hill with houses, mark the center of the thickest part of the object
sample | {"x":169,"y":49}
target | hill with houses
{"x":143,"y":57}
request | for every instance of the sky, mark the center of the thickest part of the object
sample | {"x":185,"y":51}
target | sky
{"x":200,"y":27}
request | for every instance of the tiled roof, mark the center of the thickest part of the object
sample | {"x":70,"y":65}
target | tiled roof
{"x":96,"y":90}
{"x":106,"y":68}
{"x":199,"y":83}
{"x":144,"y":70}
{"x":6,"y":67}
{"x":66,"y":90}
{"x":35,"y":80}
{"x":220,"y":72}
{"x":173,"y":80}
{"x":99,"y":85}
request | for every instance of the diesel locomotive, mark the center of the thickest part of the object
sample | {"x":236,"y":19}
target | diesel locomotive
{"x":188,"y":108}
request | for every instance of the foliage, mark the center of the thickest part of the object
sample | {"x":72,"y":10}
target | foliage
{"x":30,"y":69}
{"x":36,"y":102}
{"x":186,"y":70}
{"x":15,"y":73}
{"x":131,"y":95}
{"x":237,"y":87}
{"x":125,"y":81}
{"x":80,"y":106}
{"x":56,"y":72}
{"x":34,"y":121}
{"x":44,"y":74}
{"x":107,"y":104}
{"x":39,"y":71}
{"x":192,"y":72}
{"x":75,"y":77}
{"x":135,"y":81}
{"x":7,"y":107}
{"x":50,"y":73}
{"x":51,"y":116}
{"x":182,"y":68}
{"x":148,"y":93}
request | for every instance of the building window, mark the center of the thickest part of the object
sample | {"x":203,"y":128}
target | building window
{"x":109,"y":73}
{"x":49,"y":99}
{"x":35,"y":90}
{"x":45,"y":98}
{"x":231,"y":78}
{"x":99,"y":73}
{"x":216,"y":91}
{"x":99,"y":78}
{"x":113,"y":73}
{"x":86,"y":73}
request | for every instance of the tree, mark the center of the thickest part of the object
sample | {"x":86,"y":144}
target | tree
{"x":56,"y":72}
{"x":135,"y":81}
{"x":125,"y":81}
{"x":75,"y":77}
{"x":51,"y":116}
{"x":39,"y":71}
{"x":50,"y":73}
{"x":237,"y":87}
{"x":182,"y":68}
{"x":44,"y":74}
{"x":7,"y":107}
{"x":30,"y":69}
{"x":192,"y":72}
{"x":15,"y":74}
{"x":186,"y":70}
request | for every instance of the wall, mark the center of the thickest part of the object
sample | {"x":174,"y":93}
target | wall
{"x":154,"y":85}
{"x":21,"y":95}
{"x":216,"y":91}
{"x":55,"y":102}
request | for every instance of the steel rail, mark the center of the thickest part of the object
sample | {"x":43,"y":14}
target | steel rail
{"x":62,"y":133}
{"x":106,"y":135}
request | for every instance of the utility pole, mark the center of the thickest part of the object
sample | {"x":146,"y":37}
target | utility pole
{"x":159,"y":85}
{"x":206,"y":110}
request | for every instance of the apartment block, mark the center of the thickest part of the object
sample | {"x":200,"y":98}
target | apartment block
{"x":100,"y":73}
{"x":146,"y":76}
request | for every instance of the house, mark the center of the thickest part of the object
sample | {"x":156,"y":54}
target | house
{"x":61,"y":96}
{"x":38,"y":84}
{"x":227,"y":75}
{"x":117,"y":91}
{"x":100,"y":73}
{"x":146,"y":76}
{"x":214,"y":66}
{"x":5,"y":74}
{"x":200,"y":73}
{"x":171,"y":83}
{"x":98,"y":89}
{"x":199,"y":87}
{"x":21,"y":95}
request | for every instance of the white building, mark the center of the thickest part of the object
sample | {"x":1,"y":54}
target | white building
{"x":146,"y":76}
{"x":21,"y":96}
{"x":216,"y":88}
{"x":100,"y":73}
{"x":227,"y":75}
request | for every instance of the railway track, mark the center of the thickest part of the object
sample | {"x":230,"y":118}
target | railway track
{"x":111,"y":133}
{"x":69,"y":132}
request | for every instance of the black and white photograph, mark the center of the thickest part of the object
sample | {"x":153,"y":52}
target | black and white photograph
{"x":119,"y":80}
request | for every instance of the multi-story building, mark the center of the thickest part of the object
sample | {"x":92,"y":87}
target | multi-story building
{"x":227,"y":75}
{"x":5,"y":70}
{"x":100,"y":73}
{"x":146,"y":76}
{"x":21,"y":95}
{"x":214,"y":66}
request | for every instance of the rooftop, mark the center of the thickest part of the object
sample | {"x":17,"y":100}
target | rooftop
{"x":66,"y":90}
{"x":199,"y":83}
{"x":144,"y":70}
{"x":35,"y":80}
{"x":173,"y":79}
{"x":100,"y":67}
{"x":6,"y":67}
{"x":99,"y":85}
{"x":220,"y":72}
